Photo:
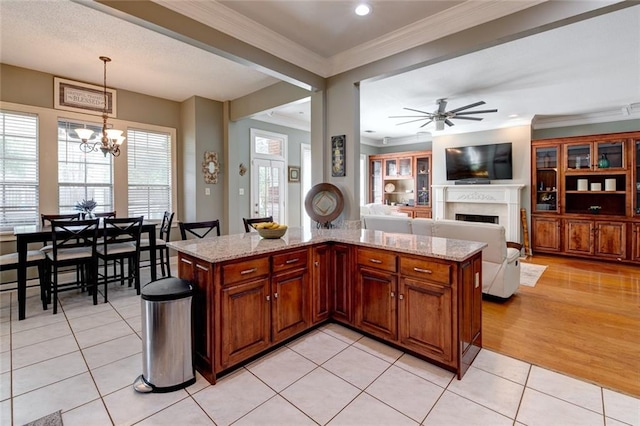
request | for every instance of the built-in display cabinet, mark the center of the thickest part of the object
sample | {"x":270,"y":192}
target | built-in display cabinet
{"x":585,"y":196}
{"x":402,"y":180}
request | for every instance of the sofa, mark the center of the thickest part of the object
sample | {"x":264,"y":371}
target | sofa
{"x":378,"y":209}
{"x":500,"y":259}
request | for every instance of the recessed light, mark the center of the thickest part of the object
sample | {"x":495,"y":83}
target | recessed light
{"x":363,"y":9}
{"x":514,"y":116}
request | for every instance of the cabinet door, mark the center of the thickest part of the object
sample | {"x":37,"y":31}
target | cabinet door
{"x":375,"y":183}
{"x":611,"y":240}
{"x":341,"y":289}
{"x":578,"y":156}
{"x":545,"y":178}
{"x":200,"y":275}
{"x":245,"y":325}
{"x":376,"y":303}
{"x":320,"y":279}
{"x":423,"y":181}
{"x":424,"y":320}
{"x":635,"y":245}
{"x":546,"y":233}
{"x":290,"y":304}
{"x":578,"y":237}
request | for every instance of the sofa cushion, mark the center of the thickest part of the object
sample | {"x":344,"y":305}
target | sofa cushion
{"x":421,"y":226}
{"x":493,"y":235}
{"x":387,"y":223}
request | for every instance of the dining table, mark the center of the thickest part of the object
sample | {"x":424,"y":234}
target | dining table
{"x":27,"y":234}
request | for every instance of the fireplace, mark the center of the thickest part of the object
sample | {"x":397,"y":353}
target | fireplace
{"x":498,"y":200}
{"x":483,"y":218}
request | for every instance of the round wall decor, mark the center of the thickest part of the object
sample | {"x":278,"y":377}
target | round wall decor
{"x":324,"y":203}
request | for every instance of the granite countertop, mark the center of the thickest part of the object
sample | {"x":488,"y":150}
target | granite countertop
{"x":229,"y":247}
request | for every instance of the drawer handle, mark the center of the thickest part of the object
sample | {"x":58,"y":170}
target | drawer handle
{"x":290,"y":261}
{"x":202,"y":267}
{"x":426,"y":271}
{"x":248,"y":271}
{"x":375,"y":261}
{"x":188,"y":262}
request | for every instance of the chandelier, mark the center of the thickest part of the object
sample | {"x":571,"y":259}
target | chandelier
{"x":111,"y":138}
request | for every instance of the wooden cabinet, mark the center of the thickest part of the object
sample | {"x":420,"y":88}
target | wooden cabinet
{"x":635,"y":242}
{"x":402,"y":179}
{"x":320,"y":283}
{"x":200,"y":274}
{"x":586,"y":186}
{"x":290,"y":298}
{"x":341,"y":285}
{"x":546,"y":234}
{"x":376,"y":290}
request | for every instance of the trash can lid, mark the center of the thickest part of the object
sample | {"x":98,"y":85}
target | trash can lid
{"x":169,"y":288}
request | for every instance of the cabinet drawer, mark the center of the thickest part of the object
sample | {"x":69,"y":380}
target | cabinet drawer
{"x":242,"y":271}
{"x":291,"y":260}
{"x":421,"y":269}
{"x":377,"y":259}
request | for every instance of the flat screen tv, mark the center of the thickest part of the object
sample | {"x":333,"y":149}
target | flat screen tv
{"x":479,"y":162}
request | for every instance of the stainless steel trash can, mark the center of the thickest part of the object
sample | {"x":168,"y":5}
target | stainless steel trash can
{"x":167,"y":356}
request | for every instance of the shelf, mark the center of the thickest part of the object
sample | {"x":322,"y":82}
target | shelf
{"x":596,"y":192}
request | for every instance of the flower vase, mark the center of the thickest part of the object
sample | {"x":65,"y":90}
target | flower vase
{"x":603,"y":162}
{"x":89,"y":215}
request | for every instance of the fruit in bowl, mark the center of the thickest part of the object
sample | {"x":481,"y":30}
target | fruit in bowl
{"x":270,"y":229}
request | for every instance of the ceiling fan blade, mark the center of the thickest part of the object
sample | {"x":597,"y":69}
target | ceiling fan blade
{"x":448,"y":122}
{"x":417,"y":110}
{"x":412,"y":121}
{"x":468,"y":106}
{"x":467,"y":118}
{"x":484,"y":111}
{"x":426,"y":123}
{"x":442,"y":105}
{"x":407,"y":116}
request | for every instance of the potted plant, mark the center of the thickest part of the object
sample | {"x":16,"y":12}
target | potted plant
{"x":594,"y":209}
{"x":86,"y":206}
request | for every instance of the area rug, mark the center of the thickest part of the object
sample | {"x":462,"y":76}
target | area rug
{"x":530,"y":273}
{"x":53,"y":419}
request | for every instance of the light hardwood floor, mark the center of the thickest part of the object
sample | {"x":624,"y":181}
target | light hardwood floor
{"x":581,"y":319}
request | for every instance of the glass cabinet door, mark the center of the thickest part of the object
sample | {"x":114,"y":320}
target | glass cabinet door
{"x":578,"y":156}
{"x":391,"y":168}
{"x":546,"y":178}
{"x":610,"y":155}
{"x":637,"y":177}
{"x":375,"y":183}
{"x":404,"y":167}
{"x":423,"y":181}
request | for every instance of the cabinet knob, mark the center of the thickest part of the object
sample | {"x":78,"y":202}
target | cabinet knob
{"x":401,"y":296}
{"x":316,"y":263}
{"x":275,"y":295}
{"x":392,"y":295}
{"x":268,"y":298}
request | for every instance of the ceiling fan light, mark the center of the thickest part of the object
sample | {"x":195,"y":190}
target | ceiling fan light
{"x":363,"y":9}
{"x":439,"y":124}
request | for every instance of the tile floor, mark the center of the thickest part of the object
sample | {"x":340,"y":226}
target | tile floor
{"x":84,"y":359}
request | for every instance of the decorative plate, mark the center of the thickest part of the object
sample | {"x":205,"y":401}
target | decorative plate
{"x":389,"y":187}
{"x":324,"y":203}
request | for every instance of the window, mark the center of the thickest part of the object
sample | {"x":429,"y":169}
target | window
{"x":82,"y":176}
{"x":18,"y":170}
{"x":268,"y":184}
{"x":149,"y":163}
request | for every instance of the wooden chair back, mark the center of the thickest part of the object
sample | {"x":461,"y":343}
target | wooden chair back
{"x":199,"y":229}
{"x":250,"y":221}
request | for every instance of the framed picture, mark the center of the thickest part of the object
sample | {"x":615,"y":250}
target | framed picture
{"x":294,"y":174}
{"x":75,"y":96}
{"x":337,"y":155}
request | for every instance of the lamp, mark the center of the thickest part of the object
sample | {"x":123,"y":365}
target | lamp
{"x":111,"y":139}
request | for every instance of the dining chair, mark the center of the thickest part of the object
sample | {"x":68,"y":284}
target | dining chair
{"x":161,"y":244}
{"x":250,"y":221}
{"x":74,"y":244}
{"x":47,"y":218}
{"x":35,"y":258}
{"x":199,"y":229}
{"x":120,"y":241}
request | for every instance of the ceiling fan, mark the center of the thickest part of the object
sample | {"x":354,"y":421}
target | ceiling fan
{"x":442,"y":117}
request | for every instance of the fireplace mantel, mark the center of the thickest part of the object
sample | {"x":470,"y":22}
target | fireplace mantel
{"x":501,"y":199}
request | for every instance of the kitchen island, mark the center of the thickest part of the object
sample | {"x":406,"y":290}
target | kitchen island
{"x":420,"y":294}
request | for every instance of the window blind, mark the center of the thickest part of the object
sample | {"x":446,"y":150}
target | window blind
{"x":149,"y":165}
{"x":18,"y":170}
{"x":82,"y":176}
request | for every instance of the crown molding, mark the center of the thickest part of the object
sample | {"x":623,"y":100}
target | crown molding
{"x":284,"y":120}
{"x":447,"y":22}
{"x":244,"y":29}
{"x":631,"y":112}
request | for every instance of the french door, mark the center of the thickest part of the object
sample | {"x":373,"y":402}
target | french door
{"x":268,"y":189}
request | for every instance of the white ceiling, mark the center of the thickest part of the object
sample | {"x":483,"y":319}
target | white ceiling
{"x":585,"y":71}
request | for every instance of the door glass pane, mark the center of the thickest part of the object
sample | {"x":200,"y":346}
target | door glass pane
{"x":610,"y":154}
{"x":579,"y":156}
